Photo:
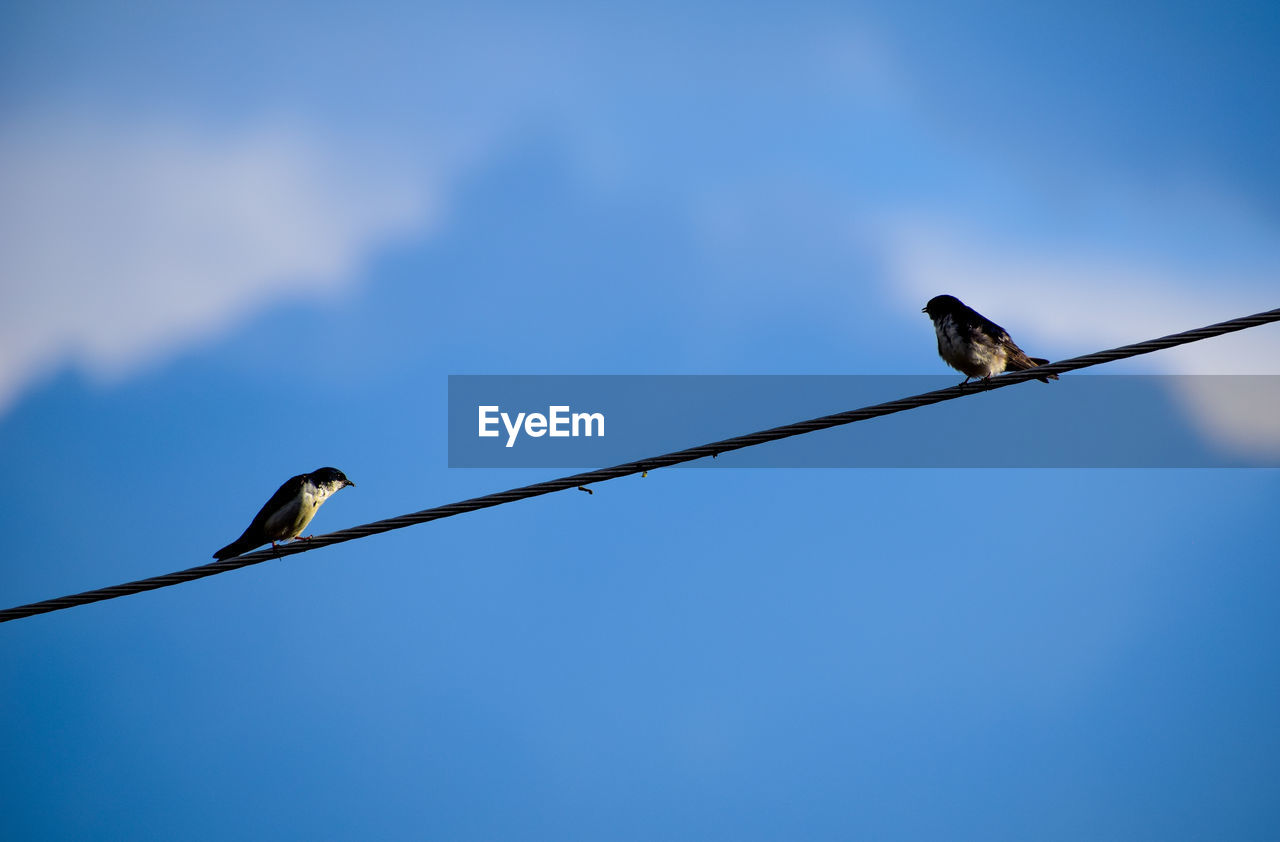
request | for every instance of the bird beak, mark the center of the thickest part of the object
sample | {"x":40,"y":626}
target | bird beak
{"x":350,"y":483}
{"x":924,"y":309}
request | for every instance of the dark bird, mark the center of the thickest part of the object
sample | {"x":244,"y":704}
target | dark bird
{"x":288,"y":511}
{"x":974,"y":345}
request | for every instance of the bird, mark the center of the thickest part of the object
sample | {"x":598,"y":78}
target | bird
{"x":288,"y":511}
{"x":974,"y":345}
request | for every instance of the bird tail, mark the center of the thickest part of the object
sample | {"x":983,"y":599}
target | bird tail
{"x":1021,"y":362}
{"x":239,"y":546}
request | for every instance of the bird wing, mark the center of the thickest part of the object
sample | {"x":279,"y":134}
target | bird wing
{"x":283,"y":495}
{"x":980,"y":327}
{"x":256,"y":533}
{"x":1017,"y":360}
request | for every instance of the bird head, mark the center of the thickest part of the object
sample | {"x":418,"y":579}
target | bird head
{"x":941,"y":305}
{"x":331,"y":478}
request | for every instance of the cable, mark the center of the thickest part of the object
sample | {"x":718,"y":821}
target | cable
{"x":666,"y":460}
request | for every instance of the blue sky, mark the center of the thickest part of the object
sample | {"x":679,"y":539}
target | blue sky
{"x":239,"y":243}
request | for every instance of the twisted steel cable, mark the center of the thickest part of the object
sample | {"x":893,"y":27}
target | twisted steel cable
{"x":640,"y":466}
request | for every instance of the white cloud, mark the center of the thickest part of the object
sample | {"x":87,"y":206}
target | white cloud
{"x":1078,"y":302}
{"x":1070,"y":300}
{"x":121,"y":243}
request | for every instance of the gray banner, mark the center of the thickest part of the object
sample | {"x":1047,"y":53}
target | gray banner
{"x":1086,"y":421}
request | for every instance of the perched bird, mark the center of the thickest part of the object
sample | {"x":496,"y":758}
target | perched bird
{"x":974,"y":345}
{"x":288,"y":511}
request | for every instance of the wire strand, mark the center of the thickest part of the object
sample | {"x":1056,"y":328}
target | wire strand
{"x":678,"y":457}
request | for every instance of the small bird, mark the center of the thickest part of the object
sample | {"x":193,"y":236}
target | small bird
{"x":974,"y":345}
{"x":288,"y":511}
